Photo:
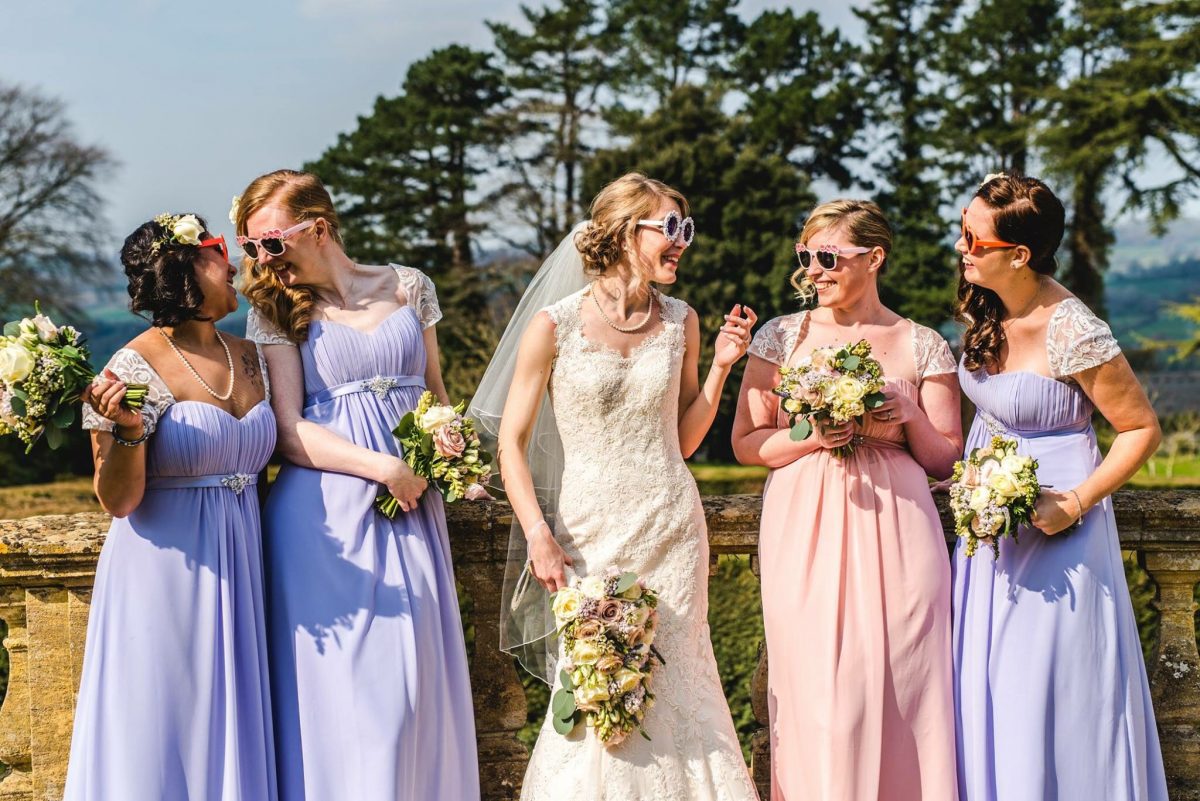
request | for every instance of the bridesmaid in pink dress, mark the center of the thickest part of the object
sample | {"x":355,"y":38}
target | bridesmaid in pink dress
{"x":855,"y":575}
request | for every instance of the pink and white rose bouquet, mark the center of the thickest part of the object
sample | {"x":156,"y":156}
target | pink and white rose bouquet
{"x":834,"y":383}
{"x":606,"y":624}
{"x":441,"y":446}
{"x":993,"y":493}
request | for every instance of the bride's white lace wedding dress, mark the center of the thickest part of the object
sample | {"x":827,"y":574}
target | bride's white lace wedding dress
{"x":628,"y":500}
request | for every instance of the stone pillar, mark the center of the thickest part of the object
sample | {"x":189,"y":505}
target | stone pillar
{"x":1175,"y":671}
{"x":480,"y":537}
{"x":16,"y":751}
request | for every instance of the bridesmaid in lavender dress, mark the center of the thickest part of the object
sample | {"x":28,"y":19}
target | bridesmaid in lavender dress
{"x":173,"y":703}
{"x":368,"y":661}
{"x":1052,"y":696}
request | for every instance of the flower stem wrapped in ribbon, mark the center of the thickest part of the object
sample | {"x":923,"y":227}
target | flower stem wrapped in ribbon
{"x":993,"y":494}
{"x":44,"y":369}
{"x":836,"y":384}
{"x":441,"y":446}
{"x":606,"y":624}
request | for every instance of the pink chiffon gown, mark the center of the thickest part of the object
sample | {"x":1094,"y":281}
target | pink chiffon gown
{"x":856,"y":602}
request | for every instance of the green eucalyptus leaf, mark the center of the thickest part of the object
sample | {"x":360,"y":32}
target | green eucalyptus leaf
{"x":17,"y":401}
{"x":404,"y":427}
{"x":55,"y":437}
{"x":64,"y":416}
{"x":625,"y":581}
{"x":874,"y":400}
{"x":564,"y":727}
{"x":564,"y":678}
{"x":12,"y":329}
{"x":851,"y":363}
{"x":563,"y":704}
{"x":801,"y":430}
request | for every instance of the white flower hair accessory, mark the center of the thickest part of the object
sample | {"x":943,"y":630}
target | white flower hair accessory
{"x":991,"y":176}
{"x":183,"y":229}
{"x":233,"y":209}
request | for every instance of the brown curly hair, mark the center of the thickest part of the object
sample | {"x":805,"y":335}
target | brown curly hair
{"x":1025,"y":211}
{"x":614,"y":214}
{"x":162,"y":275}
{"x":304,"y":197}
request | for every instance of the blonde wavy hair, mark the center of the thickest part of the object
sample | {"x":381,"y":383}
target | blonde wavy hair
{"x":303,"y":197}
{"x":864,"y":223}
{"x":614,"y":214}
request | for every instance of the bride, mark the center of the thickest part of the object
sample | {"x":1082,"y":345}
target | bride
{"x":596,"y":476}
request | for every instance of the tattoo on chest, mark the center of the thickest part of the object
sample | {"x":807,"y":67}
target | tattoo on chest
{"x":250,"y":369}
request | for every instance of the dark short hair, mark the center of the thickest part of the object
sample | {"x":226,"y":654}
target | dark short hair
{"x":162,"y":279}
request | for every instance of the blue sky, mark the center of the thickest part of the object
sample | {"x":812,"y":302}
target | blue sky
{"x":195,"y":99}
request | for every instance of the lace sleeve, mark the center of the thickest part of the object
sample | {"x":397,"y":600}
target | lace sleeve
{"x":131,"y":368}
{"x":776,"y":339}
{"x":931,"y":353}
{"x":262,"y":331}
{"x":421,"y":294}
{"x":1078,"y":340}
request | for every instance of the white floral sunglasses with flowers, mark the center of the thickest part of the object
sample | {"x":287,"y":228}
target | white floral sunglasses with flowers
{"x":273,"y":242}
{"x":826,"y":255}
{"x":673,"y":226}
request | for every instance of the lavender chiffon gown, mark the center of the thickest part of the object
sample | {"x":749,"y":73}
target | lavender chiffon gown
{"x":368,"y":662}
{"x":173,"y":702}
{"x":1052,"y":697}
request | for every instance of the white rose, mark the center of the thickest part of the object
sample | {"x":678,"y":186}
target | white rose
{"x":436,"y":417}
{"x":1004,"y":485}
{"x":849,"y":389}
{"x":233,"y":209}
{"x":987,"y":469}
{"x":46,"y":329}
{"x":15,"y":364}
{"x":593,"y":587}
{"x":187,"y":230}
{"x":566,"y":604}
{"x":628,"y":680}
{"x":1013,"y":464}
{"x":586,"y":652}
{"x":980,"y":498}
{"x":589,"y":696}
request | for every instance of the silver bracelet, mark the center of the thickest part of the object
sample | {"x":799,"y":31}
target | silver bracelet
{"x":1078,"y":505}
{"x":131,"y":443}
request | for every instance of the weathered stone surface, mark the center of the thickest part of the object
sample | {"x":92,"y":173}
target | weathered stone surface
{"x":47,"y":565}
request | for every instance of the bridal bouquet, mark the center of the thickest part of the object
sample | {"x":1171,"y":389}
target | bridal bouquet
{"x":43,"y":370}
{"x":607,"y":624}
{"x":993,"y":492}
{"x":834,"y":383}
{"x":441,"y":446}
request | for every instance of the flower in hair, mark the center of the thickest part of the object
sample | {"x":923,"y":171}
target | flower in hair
{"x":233,"y":209}
{"x":991,"y":176}
{"x":182,"y":229}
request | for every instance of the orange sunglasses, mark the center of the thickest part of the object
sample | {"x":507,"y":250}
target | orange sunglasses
{"x":216,"y":242}
{"x":973,"y":243}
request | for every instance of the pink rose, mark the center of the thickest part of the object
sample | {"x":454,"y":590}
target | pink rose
{"x":587,"y":629}
{"x":449,"y":442}
{"x":610,"y":611}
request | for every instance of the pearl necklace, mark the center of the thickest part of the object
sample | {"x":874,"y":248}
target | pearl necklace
{"x":228,"y":358}
{"x":614,"y":326}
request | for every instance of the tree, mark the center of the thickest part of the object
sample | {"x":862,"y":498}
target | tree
{"x":906,"y":112}
{"x":555,"y":72}
{"x":404,"y":177}
{"x":802,"y":100}
{"x":52,"y":226}
{"x":1131,"y":95}
{"x":672,"y":43}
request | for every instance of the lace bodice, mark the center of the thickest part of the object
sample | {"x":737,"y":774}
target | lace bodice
{"x":417,"y":286}
{"x":132,"y":368}
{"x":775,"y":341}
{"x":1078,"y":340}
{"x":628,"y":500}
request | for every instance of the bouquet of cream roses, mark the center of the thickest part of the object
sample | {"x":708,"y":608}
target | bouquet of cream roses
{"x":993,"y":493}
{"x":43,"y":370}
{"x":837,"y":384}
{"x":607,"y":625}
{"x":441,"y":446}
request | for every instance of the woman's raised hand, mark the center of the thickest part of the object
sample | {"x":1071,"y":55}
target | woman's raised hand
{"x":105,"y":395}
{"x":734,"y":337}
